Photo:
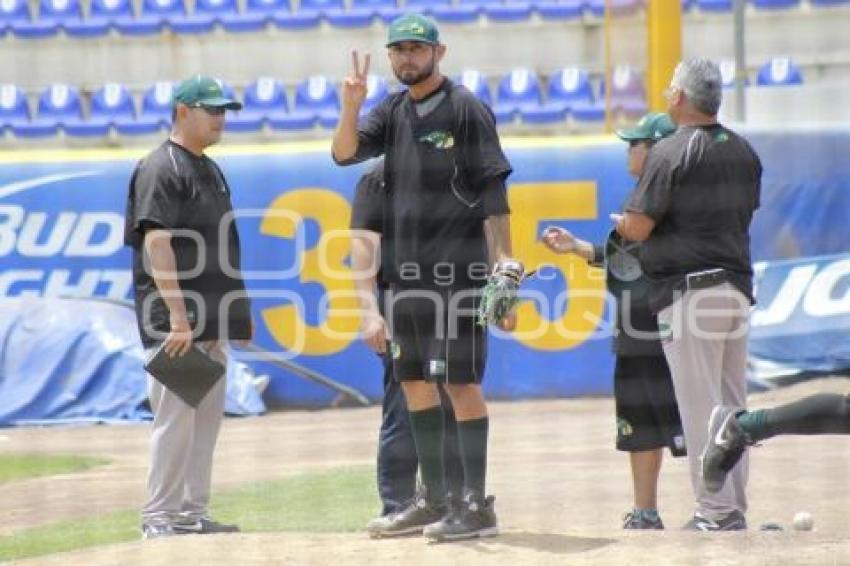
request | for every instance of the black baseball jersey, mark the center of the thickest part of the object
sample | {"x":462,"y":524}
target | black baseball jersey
{"x":701,"y":186}
{"x":178,"y":191}
{"x":444,"y":172}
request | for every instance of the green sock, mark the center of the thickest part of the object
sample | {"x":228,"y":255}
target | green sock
{"x":754,"y":424}
{"x":472,"y":436}
{"x":427,"y":427}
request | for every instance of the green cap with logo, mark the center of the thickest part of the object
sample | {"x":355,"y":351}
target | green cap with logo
{"x":413,"y":27}
{"x":653,"y":126}
{"x":203,"y":91}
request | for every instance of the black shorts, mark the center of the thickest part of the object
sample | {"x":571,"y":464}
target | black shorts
{"x":647,"y":413}
{"x":435,"y":336}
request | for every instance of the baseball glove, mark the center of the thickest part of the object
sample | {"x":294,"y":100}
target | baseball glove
{"x":499,"y":295}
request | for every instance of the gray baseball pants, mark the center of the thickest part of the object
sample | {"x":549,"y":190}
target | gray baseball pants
{"x":704,"y":336}
{"x":182,"y":445}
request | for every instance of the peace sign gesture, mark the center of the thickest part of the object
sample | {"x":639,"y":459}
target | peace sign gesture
{"x":354,"y":85}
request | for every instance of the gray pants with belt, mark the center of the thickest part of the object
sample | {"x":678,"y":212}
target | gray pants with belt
{"x":182,"y":445}
{"x":704,"y":335}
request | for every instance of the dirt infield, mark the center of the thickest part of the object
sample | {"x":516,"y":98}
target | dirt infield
{"x":561,"y":489}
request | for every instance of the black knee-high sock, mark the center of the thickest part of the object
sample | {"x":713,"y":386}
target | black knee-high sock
{"x":427,"y":427}
{"x":824,"y":413}
{"x":473,"y":451}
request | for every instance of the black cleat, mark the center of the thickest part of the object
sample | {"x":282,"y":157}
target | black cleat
{"x":410,"y":520}
{"x":725,"y":446}
{"x":734,"y":521}
{"x":474,"y":518}
{"x":635,"y":520}
{"x":202,"y":526}
{"x":157,"y":530}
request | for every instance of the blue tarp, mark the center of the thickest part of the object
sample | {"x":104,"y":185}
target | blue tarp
{"x":81,"y":360}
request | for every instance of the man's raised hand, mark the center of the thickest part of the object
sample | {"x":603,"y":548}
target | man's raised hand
{"x":354,"y":86}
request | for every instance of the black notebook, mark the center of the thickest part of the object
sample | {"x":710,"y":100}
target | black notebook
{"x":190,"y":376}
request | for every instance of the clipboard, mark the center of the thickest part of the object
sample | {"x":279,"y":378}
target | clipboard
{"x":190,"y":376}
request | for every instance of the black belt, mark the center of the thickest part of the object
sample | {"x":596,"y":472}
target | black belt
{"x":705,"y":279}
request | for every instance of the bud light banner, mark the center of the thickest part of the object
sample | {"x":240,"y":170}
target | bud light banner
{"x":61,"y":235}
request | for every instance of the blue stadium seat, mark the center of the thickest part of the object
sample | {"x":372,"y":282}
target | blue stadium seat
{"x":775,"y":4}
{"x":66,"y":13}
{"x":264,"y":100}
{"x":102,"y":15}
{"x":154,"y":15}
{"x":727,"y":73}
{"x":301,"y":19}
{"x":52,"y":15}
{"x":155,"y":112}
{"x":201,"y":20}
{"x":387,"y":10}
{"x":57,"y":104}
{"x":13,"y":106}
{"x":336,"y":14}
{"x":425,"y":6}
{"x":465,"y":11}
{"x":519,"y":91}
{"x":109,"y":103}
{"x":779,"y":71}
{"x":215,"y":9}
{"x":569,"y":91}
{"x":618,"y":7}
{"x":559,"y":10}
{"x":507,"y":11}
{"x":15,"y":15}
{"x":114,"y":104}
{"x":316,"y":98}
{"x":257,"y":14}
{"x":477,"y":84}
{"x":714,"y":5}
{"x":627,"y":93}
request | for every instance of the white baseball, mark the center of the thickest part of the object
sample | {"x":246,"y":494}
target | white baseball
{"x":803,"y":521}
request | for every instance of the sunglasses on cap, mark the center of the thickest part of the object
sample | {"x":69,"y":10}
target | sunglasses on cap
{"x":211,"y":110}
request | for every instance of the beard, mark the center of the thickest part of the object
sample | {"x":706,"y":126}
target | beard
{"x":410,"y":78}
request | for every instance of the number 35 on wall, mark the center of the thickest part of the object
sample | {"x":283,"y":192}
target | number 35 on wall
{"x":532,"y":205}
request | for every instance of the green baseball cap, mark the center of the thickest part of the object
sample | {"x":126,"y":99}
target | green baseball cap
{"x":413,"y":27}
{"x":203,"y":91}
{"x":653,"y":126}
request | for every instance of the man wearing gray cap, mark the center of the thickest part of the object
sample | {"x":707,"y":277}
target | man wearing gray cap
{"x":692,"y":210}
{"x":185,"y":298}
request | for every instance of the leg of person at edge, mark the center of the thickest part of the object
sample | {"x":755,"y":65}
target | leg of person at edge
{"x":732,"y":429}
{"x":436,"y":136}
{"x":692,"y":210}
{"x":647,"y":415}
{"x":176,"y":176}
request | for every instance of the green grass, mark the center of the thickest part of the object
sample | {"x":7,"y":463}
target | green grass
{"x":340,"y":500}
{"x":22,"y":466}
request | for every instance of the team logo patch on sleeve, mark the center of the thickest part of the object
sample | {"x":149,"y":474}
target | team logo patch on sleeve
{"x":440,"y":140}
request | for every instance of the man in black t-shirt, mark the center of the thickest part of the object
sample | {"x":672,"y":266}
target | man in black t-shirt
{"x":188,"y":292}
{"x":397,"y":462}
{"x":445,"y":222}
{"x":692,"y":208}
